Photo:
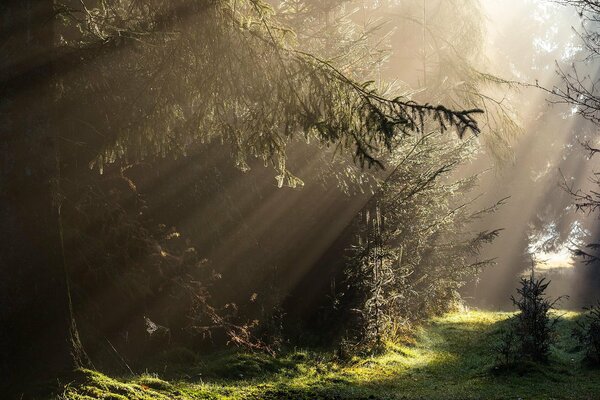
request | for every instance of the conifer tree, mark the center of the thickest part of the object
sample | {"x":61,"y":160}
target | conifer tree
{"x":120,"y":81}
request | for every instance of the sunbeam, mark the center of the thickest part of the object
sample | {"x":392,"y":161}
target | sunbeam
{"x":299,"y":199}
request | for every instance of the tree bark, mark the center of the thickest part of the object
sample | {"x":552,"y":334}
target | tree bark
{"x":34,"y":317}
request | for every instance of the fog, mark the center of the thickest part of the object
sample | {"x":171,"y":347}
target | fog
{"x":525,"y":42}
{"x":540,"y":223}
{"x":181,"y":176}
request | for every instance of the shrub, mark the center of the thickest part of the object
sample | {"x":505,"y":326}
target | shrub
{"x":588,"y":333}
{"x":534,"y":327}
{"x":531,"y":330}
{"x":506,"y":349}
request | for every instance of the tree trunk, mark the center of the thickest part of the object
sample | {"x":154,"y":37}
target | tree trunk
{"x":34,"y":317}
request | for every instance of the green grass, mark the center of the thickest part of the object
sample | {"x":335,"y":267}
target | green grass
{"x":450,"y":357}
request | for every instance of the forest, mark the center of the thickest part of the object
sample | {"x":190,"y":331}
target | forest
{"x":299,"y":199}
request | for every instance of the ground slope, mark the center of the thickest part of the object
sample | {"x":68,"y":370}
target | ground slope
{"x":450,"y":358}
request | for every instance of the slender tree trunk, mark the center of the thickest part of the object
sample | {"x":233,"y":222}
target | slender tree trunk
{"x":424,"y":44}
{"x":34,"y":322}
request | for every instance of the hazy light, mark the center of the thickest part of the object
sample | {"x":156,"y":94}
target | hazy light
{"x":548,"y":256}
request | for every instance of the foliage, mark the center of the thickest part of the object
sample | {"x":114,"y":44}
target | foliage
{"x":587,"y":333}
{"x":579,"y":88}
{"x":532,"y":329}
{"x":333,"y":30}
{"x":156,"y":287}
{"x":413,"y":255}
{"x":506,"y":349}
{"x":263,"y":92}
{"x":143,"y":80}
{"x":134,"y":82}
{"x":446,"y":39}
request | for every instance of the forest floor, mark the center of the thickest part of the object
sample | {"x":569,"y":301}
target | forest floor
{"x":450,"y":357}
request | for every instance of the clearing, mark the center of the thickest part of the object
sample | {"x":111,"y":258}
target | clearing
{"x":450,"y":357}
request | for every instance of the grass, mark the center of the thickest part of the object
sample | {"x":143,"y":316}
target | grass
{"x":450,"y":357}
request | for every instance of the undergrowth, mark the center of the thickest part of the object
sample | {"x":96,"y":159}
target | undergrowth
{"x":451,"y":357}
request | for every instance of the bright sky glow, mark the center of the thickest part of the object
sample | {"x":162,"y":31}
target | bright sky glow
{"x":552,"y":256}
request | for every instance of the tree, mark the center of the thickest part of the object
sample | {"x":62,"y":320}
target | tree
{"x":531,"y":331}
{"x":35,"y":309}
{"x":256,"y":62}
{"x":580,"y":90}
{"x":413,"y":251}
{"x":123,"y":81}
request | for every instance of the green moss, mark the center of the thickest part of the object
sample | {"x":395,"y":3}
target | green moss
{"x":154,"y":383}
{"x":449,"y":358}
{"x":94,"y":385}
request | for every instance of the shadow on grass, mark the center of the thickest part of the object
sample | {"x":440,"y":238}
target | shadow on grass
{"x":451,"y":358}
{"x":458,"y":361}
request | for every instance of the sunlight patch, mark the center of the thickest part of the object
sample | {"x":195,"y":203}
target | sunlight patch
{"x":550,"y":252}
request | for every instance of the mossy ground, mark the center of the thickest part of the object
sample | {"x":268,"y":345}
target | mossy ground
{"x":451,"y":357}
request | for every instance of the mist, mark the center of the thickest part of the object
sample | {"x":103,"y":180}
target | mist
{"x":298,"y":198}
{"x":541,"y":224}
